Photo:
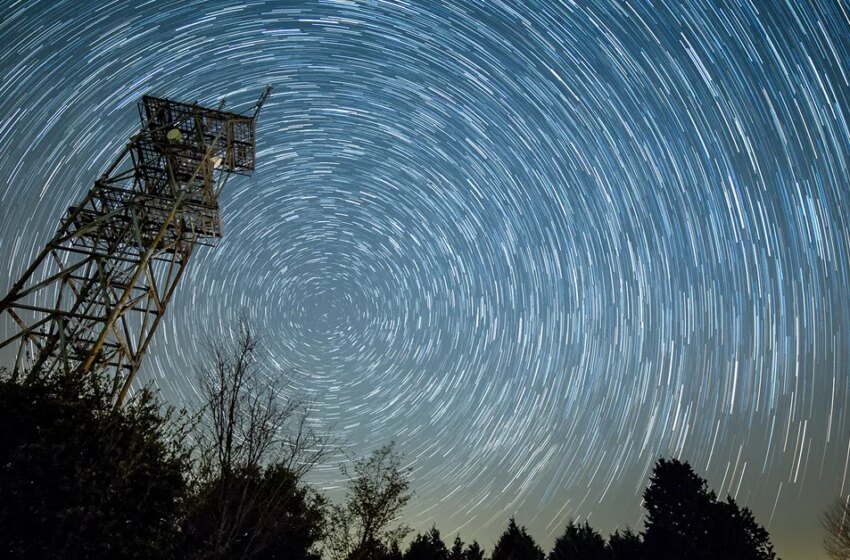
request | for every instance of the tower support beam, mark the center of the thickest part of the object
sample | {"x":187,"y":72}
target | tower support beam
{"x":93,"y":297}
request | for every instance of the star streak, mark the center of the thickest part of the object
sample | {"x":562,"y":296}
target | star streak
{"x":538,"y":244}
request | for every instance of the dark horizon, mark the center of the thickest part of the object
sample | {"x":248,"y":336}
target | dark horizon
{"x":538,"y":245}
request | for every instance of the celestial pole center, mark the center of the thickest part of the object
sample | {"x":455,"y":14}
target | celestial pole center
{"x":538,"y":244}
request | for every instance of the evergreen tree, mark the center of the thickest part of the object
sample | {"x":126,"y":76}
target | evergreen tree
{"x":625,"y":546}
{"x":419,"y":548}
{"x":739,"y":536}
{"x":428,"y":546}
{"x":456,"y":553}
{"x":473,"y":552}
{"x":678,"y":513}
{"x":516,"y":544}
{"x":394,"y":552}
{"x":685,"y":520}
{"x":579,"y":542}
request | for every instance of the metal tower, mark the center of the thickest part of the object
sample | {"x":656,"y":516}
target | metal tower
{"x":94,"y":296}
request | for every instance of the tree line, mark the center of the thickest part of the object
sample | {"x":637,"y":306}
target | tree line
{"x":82,"y":478}
{"x":684,"y":520}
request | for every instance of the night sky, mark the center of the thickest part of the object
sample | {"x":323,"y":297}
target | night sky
{"x":537,"y":244}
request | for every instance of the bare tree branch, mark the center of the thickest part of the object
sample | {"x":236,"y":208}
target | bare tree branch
{"x":836,"y":522}
{"x":254,"y":450}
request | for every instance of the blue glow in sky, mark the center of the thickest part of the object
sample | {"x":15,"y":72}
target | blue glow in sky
{"x":538,"y":244}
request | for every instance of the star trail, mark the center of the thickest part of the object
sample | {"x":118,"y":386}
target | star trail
{"x":537,"y":244}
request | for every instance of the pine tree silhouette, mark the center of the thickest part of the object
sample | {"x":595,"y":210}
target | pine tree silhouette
{"x":579,"y":542}
{"x":516,"y":544}
{"x":685,"y":520}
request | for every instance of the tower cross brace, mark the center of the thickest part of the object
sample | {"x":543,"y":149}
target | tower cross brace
{"x":93,"y":297}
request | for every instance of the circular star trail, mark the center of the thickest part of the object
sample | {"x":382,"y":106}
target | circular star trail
{"x":537,"y":244}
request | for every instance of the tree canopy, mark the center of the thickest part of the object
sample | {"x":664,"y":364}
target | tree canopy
{"x":625,"y":546}
{"x":253,"y":448}
{"x":456,"y":552}
{"x":80,"y":478}
{"x":427,"y":546}
{"x":83,"y":478}
{"x":366,"y":524}
{"x":516,"y":544}
{"x":473,"y":552}
{"x":579,"y":542}
{"x":684,"y":519}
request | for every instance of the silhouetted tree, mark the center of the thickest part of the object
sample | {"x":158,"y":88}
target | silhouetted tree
{"x":456,"y":553}
{"x":579,"y":542}
{"x":428,"y":546}
{"x":685,"y":520}
{"x":516,"y":544}
{"x":254,"y":447}
{"x":625,"y":546}
{"x":836,"y":523}
{"x":80,"y":478}
{"x":394,"y":551}
{"x":737,"y":534}
{"x":262,"y":514}
{"x":378,"y":489}
{"x":249,"y":421}
{"x":473,"y":552}
{"x":678,"y":512}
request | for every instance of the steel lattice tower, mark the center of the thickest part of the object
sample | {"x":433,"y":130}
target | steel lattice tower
{"x":93,"y":297}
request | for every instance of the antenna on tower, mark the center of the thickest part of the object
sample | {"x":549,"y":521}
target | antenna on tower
{"x":267,"y":91}
{"x":93,"y":297}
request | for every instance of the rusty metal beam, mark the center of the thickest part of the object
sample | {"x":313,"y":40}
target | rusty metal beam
{"x":94,"y":296}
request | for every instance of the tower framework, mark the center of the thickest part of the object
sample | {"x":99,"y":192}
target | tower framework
{"x":93,"y":297}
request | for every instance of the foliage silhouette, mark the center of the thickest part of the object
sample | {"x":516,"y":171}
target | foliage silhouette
{"x":364,"y":527}
{"x":625,"y":546}
{"x":579,"y":542}
{"x":428,"y":546}
{"x":473,"y":552}
{"x":80,"y":478}
{"x":738,"y":535}
{"x":456,"y":552}
{"x":516,"y":544}
{"x":263,"y":514}
{"x":253,"y":449}
{"x":394,"y":551}
{"x":678,"y":512}
{"x":685,"y":520}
